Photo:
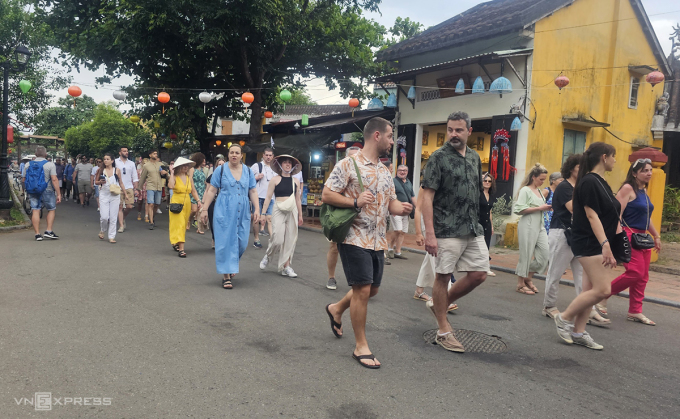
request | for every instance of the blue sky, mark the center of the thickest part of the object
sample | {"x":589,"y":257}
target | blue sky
{"x":428,"y":12}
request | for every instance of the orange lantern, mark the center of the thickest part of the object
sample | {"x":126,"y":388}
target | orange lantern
{"x":268,"y":114}
{"x":247,"y":98}
{"x":353,"y":103}
{"x":561,"y":81}
{"x":242,"y":143}
{"x":163,"y":98}
{"x":74,"y":91}
{"x":655,"y":77}
{"x":218,"y":142}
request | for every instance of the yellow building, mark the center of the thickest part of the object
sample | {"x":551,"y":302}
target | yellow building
{"x":604,"y":47}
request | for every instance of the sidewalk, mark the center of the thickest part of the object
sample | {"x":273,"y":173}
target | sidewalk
{"x":662,"y":288}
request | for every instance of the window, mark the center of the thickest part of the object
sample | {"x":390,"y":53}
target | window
{"x":574,"y":143}
{"x":634,"y":87}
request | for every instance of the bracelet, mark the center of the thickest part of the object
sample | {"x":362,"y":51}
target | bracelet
{"x":604,"y":242}
{"x":657,"y":237}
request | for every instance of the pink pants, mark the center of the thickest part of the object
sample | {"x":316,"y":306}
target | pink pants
{"x":636,"y":276}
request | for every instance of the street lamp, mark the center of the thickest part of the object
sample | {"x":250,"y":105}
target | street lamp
{"x":21,"y":56}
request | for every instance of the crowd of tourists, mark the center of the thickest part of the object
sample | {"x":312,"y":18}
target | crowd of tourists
{"x":575,"y":222}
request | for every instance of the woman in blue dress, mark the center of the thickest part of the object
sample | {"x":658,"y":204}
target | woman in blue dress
{"x":231,"y":220}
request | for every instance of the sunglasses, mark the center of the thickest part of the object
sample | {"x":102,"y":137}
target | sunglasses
{"x":645,"y":161}
{"x":486,"y":181}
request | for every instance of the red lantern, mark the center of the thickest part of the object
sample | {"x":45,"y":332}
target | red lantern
{"x":173,"y":136}
{"x":247,"y":98}
{"x":268,"y":114}
{"x":242,"y":143}
{"x":655,"y":77}
{"x":218,"y":142}
{"x":74,"y":91}
{"x":10,"y":134}
{"x":561,"y":82}
{"x":353,"y":103}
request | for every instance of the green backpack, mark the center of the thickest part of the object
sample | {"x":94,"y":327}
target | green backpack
{"x":335,"y":221}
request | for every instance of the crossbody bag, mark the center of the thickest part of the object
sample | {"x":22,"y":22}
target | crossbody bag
{"x":177,"y":208}
{"x":642,"y":241}
{"x":336,"y":221}
{"x":620,"y":244}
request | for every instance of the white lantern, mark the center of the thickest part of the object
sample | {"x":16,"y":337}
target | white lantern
{"x":204,"y":97}
{"x":119,"y":95}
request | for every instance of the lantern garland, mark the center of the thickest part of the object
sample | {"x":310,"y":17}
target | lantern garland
{"x":654,"y":78}
{"x":74,"y":91}
{"x":163,"y":98}
{"x":25,"y":86}
{"x":285,"y":96}
{"x":268,"y":114}
{"x":205,"y":97}
{"x":353,"y":103}
{"x":247,"y":99}
{"x":561,"y":82}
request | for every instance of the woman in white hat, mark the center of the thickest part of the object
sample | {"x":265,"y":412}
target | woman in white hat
{"x":287,"y":213}
{"x":182,"y":186}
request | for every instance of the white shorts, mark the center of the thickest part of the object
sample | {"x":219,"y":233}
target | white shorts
{"x":462,"y":254}
{"x":400,"y":223}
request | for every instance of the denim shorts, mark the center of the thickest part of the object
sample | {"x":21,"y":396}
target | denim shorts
{"x":361,"y":266}
{"x":271,"y":206}
{"x":154,"y":197}
{"x":48,"y":198}
{"x":96,"y":191}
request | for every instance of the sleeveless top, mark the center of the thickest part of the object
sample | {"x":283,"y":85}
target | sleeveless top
{"x":284,"y":188}
{"x":635,"y":215}
{"x":110,"y":180}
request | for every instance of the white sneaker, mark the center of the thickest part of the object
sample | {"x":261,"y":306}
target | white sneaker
{"x":121,"y":230}
{"x":66,"y":199}
{"x":289,"y":272}
{"x":490,"y":273}
{"x":158,"y":211}
{"x":264,"y":262}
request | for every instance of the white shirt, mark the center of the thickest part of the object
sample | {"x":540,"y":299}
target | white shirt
{"x":263,"y":183}
{"x":94,"y":171}
{"x":129,"y":174}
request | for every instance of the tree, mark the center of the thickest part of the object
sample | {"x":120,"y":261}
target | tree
{"x":298,"y":96}
{"x":404,"y":29}
{"x":57,"y":119}
{"x":255,"y":45}
{"x":107,"y":132}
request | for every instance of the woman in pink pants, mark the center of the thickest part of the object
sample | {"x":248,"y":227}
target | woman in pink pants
{"x":637,"y":210}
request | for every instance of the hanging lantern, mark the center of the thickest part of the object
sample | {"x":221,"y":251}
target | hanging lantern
{"x":460,"y":86}
{"x":655,"y":77}
{"x":229,"y":145}
{"x":285,"y":97}
{"x":156,"y":124}
{"x":411,"y":93}
{"x":516,"y":124}
{"x":241,"y":143}
{"x":119,"y":95}
{"x":167,"y":144}
{"x":10,"y":134}
{"x":375,"y":105}
{"x":268,"y":114}
{"x":204,"y":97}
{"x":135,"y":119}
{"x":247,"y":99}
{"x":74,"y":91}
{"x":561,"y":81}
{"x":478,"y":86}
{"x":305,"y":120}
{"x":173,"y":136}
{"x":25,"y":86}
{"x":163,"y":98}
{"x":353,"y":103}
{"x":391,"y":101}
{"x":500,"y":85}
{"x":218,"y":142}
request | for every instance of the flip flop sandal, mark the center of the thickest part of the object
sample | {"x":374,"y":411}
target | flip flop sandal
{"x":101,"y":235}
{"x":182,"y":254}
{"x":525,"y":290}
{"x":643,"y":320}
{"x":601,"y":310}
{"x":533,"y":288}
{"x":422,"y":296}
{"x":334,"y":324}
{"x":369,"y":356}
{"x":452,"y":307}
{"x":226,"y":284}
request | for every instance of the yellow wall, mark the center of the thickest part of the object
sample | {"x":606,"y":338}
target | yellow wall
{"x":595,"y":58}
{"x":431,"y":146}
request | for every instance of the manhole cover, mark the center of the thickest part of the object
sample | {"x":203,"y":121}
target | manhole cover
{"x":472,"y":341}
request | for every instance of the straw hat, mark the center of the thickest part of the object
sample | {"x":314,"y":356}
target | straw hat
{"x":276,"y":164}
{"x":181,"y":161}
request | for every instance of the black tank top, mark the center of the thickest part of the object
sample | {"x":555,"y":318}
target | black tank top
{"x":284,"y":188}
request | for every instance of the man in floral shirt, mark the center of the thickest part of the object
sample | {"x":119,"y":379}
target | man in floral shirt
{"x":362,"y":252}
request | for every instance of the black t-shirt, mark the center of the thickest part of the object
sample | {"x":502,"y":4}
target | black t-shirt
{"x":595,"y":193}
{"x":561,"y":215}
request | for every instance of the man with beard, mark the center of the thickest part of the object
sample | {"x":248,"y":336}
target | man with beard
{"x":362,"y":251}
{"x":263,"y":174}
{"x":130,"y":183}
{"x":453,"y":235}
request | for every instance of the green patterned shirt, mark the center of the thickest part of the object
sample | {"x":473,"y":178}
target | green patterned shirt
{"x":457,"y":182}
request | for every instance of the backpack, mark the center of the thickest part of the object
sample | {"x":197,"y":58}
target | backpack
{"x":259,"y":166}
{"x":35,"y":178}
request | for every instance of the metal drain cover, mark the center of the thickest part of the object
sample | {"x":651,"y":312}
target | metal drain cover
{"x":472,"y":341}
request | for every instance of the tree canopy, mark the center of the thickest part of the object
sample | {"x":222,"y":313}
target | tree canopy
{"x":106,"y":132}
{"x":57,"y":119}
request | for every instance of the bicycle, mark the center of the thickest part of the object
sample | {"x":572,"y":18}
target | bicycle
{"x":27,"y":207}
{"x":17,"y":182}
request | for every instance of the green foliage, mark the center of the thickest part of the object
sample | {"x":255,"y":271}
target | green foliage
{"x":404,"y":29}
{"x":671,"y":204}
{"x":500,"y":209}
{"x":298,"y":96}
{"x":670,"y":237}
{"x":57,"y":119}
{"x":107,"y":131}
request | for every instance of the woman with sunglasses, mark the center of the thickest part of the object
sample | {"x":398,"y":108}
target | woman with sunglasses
{"x":105,"y":178}
{"x":637,"y":212}
{"x":485,"y":216}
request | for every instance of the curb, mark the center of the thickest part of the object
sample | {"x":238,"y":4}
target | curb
{"x":664,"y":270}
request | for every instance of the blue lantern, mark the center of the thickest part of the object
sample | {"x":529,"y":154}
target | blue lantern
{"x":501,"y":85}
{"x":412,"y":93}
{"x":391,"y":101}
{"x":375,"y":105}
{"x":478,"y":86}
{"x":460,"y":87}
{"x":516,"y":124}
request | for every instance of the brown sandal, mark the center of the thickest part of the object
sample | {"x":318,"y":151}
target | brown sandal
{"x":422,"y":296}
{"x":531,"y":286}
{"x":525,"y":290}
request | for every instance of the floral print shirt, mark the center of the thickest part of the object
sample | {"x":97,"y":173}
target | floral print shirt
{"x":199,"y":184}
{"x":370,"y":226}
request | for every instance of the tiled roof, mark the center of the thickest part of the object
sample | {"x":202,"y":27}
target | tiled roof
{"x":482,"y":21}
{"x":316,"y":110}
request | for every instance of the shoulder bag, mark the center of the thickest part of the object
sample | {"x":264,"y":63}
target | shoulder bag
{"x":335,"y":221}
{"x":642,"y":241}
{"x":619,"y":244}
{"x":177,"y":208}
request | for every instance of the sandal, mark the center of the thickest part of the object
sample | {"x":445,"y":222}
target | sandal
{"x":334,"y":324}
{"x":226,"y":284}
{"x":422,"y":296}
{"x":369,"y":356}
{"x":452,"y":307}
{"x":111,"y":241}
{"x":200,"y":232}
{"x":182,"y":254}
{"x":525,"y":290}
{"x":531,"y":286}
{"x":176,"y":247}
{"x":601,"y":310}
{"x":101,"y":235}
{"x":643,"y":319}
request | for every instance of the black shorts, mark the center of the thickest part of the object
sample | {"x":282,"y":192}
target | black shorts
{"x":361,"y":266}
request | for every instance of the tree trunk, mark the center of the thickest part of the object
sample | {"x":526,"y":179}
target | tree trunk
{"x":256,"y":116}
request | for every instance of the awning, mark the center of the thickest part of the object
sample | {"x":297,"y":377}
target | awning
{"x":582,"y":121}
{"x":296,"y":144}
{"x":343,"y":123}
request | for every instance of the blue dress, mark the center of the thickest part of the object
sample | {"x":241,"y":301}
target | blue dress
{"x":231,"y":220}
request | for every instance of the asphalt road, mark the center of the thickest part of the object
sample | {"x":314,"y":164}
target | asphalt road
{"x":158,"y":336}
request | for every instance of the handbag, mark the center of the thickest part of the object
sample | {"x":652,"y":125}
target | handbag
{"x":642,"y":241}
{"x":620,"y":244}
{"x":177,"y":208}
{"x":113,"y":188}
{"x":335,"y":221}
{"x":290,"y":203}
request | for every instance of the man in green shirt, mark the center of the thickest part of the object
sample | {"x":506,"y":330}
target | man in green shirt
{"x":400,"y":223}
{"x":451,"y":186}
